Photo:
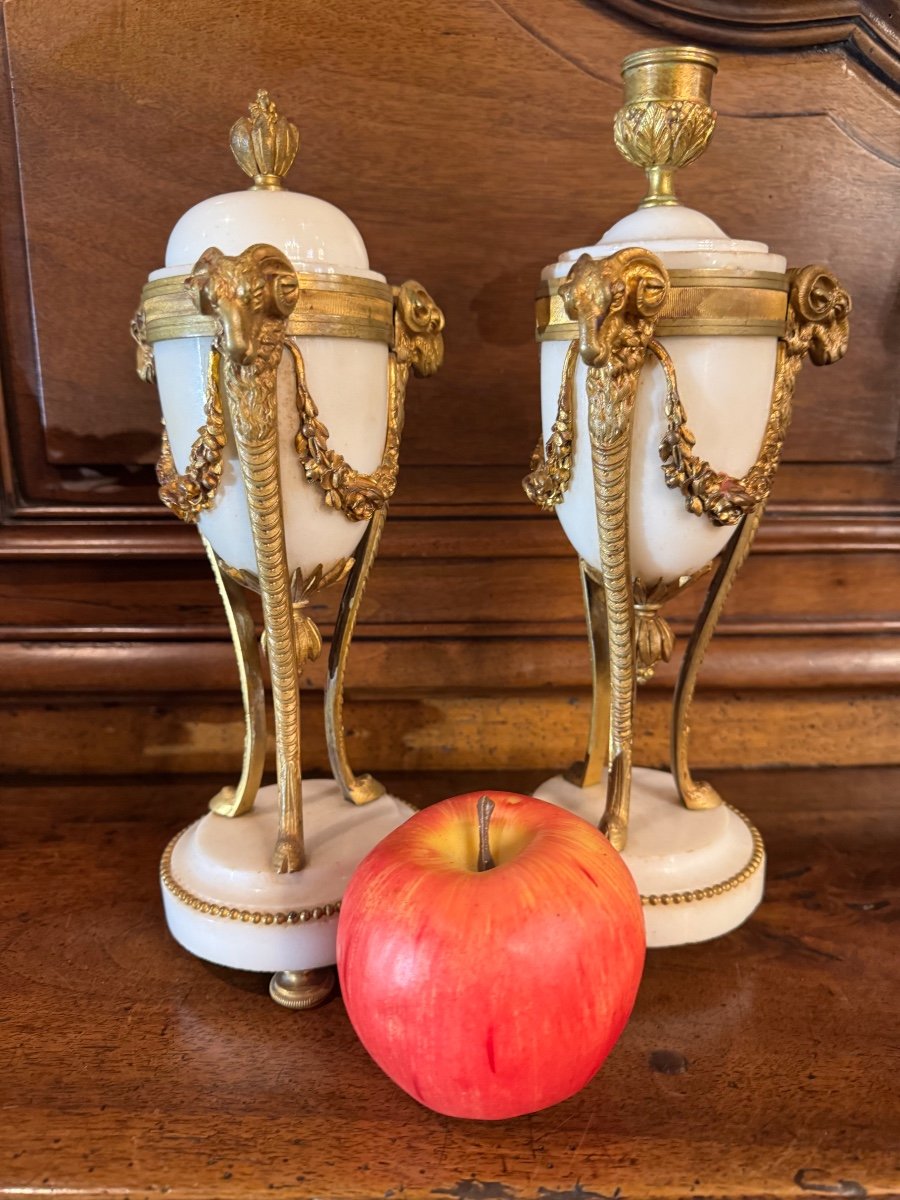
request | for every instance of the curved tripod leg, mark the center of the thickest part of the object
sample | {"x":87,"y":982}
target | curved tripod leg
{"x":693,"y":794}
{"x":234,"y":801}
{"x":817,"y":325}
{"x":589,"y":771}
{"x":358,"y":789}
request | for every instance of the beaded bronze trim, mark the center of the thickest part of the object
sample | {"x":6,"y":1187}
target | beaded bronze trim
{"x":299,"y":916}
{"x":717,"y":889}
{"x":320,"y":912}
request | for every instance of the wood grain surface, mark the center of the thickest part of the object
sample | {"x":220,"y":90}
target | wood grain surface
{"x":760,"y":1065}
{"x":545,"y":729}
{"x":471,"y":142}
{"x":415,"y":122}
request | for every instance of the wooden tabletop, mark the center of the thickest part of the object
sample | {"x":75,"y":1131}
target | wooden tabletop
{"x":763,"y":1064}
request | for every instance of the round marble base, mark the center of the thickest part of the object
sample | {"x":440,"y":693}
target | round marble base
{"x":700,"y":874}
{"x":224,"y":903}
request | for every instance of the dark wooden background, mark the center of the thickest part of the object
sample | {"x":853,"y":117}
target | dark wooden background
{"x":471,"y":142}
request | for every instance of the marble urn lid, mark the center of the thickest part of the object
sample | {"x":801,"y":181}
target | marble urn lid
{"x":316,"y":236}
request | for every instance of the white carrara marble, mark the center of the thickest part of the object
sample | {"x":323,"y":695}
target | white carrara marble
{"x":227,"y":861}
{"x":724,"y":382}
{"x":672,"y":849}
{"x":311,"y":232}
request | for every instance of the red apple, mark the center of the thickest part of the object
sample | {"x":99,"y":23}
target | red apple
{"x":490,"y":971}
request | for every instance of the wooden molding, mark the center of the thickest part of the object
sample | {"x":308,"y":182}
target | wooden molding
{"x":408,"y":665}
{"x":787,"y":529}
{"x":82,"y":431}
{"x":473,"y":613}
{"x":865,"y":26}
{"x":89,"y":735}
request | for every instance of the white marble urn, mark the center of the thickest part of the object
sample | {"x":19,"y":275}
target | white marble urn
{"x":282,"y":362}
{"x":669,"y":352}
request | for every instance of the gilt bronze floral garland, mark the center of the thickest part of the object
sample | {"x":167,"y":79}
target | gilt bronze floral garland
{"x":351,"y":492}
{"x":551,"y":465}
{"x":417,"y":345}
{"x":187,"y":494}
{"x":816,"y":324}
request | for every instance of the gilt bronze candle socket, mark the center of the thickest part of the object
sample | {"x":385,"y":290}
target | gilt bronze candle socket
{"x":669,"y":354}
{"x":282,"y":362}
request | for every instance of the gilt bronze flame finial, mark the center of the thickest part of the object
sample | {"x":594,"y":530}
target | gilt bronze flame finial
{"x":264,"y":143}
{"x":666,"y":120}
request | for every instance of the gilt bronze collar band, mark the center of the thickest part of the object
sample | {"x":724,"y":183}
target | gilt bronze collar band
{"x":699,"y":303}
{"x":344,"y":306}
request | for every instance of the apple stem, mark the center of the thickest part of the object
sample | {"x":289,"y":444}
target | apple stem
{"x":485,"y":858}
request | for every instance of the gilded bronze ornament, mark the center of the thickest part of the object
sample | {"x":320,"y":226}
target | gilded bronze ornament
{"x":190,"y":493}
{"x":654,"y":640}
{"x":417,"y":344}
{"x":264,"y":144}
{"x":144,"y":364}
{"x":654,"y":643}
{"x":817,"y":324}
{"x":251,"y":295}
{"x":818,"y":327}
{"x":248,"y":301}
{"x":700,"y":301}
{"x":247,"y":346}
{"x":615,"y":302}
{"x":235,"y":801}
{"x":661,"y":138}
{"x":551,"y":464}
{"x":706,"y":491}
{"x":332,"y":305}
{"x":614,"y":305}
{"x":356,"y":495}
{"x":666,"y":120}
{"x":697,"y":303}
{"x":589,"y":771}
{"x":418,"y":329}
{"x":665,"y":287}
{"x":302,"y":989}
{"x":818,"y":317}
{"x":358,"y":789}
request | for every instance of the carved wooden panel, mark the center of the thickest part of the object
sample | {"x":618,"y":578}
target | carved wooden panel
{"x":865,"y":28}
{"x":471,"y":143}
{"x":476,"y":142}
